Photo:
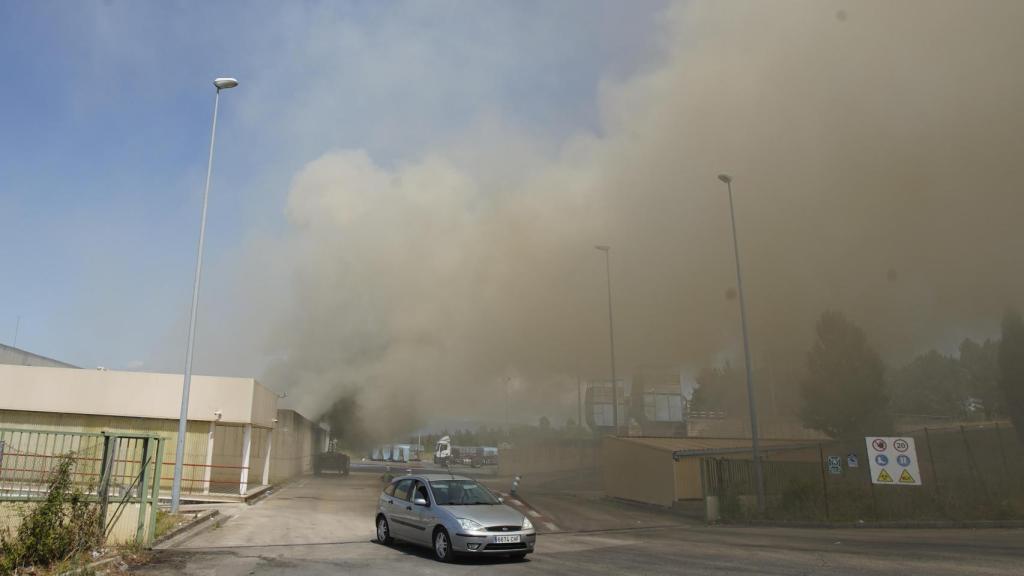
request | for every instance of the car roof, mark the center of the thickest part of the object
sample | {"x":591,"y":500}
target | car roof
{"x":432,"y":477}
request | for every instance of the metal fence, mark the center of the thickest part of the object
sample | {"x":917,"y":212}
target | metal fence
{"x":973,"y":472}
{"x":120,"y":473}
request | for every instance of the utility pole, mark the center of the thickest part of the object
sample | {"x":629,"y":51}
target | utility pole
{"x":758,"y":472}
{"x":579,"y":401}
{"x":611,"y":336}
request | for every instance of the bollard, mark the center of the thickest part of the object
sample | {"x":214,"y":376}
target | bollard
{"x":515,"y":485}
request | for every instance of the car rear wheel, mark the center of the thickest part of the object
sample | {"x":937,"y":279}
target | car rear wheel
{"x":443,"y":546}
{"x":383,"y":531}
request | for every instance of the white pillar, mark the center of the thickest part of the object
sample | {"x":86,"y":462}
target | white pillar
{"x":246,"y":446}
{"x":209,"y":458}
{"x":266,"y":461}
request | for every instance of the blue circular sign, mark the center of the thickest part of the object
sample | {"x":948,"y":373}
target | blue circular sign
{"x":903,"y":460}
{"x":882,"y":460}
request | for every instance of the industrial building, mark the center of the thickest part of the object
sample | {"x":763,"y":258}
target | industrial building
{"x":19,"y":357}
{"x":237,"y":441}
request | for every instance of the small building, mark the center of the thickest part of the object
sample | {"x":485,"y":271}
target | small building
{"x":667,"y":471}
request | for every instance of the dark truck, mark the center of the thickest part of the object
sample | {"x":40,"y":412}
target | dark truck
{"x":327,"y":462}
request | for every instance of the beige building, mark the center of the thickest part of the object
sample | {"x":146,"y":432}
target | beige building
{"x":237,"y":439}
{"x":667,"y":471}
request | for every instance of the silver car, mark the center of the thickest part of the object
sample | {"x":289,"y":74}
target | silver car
{"x":453,"y":515}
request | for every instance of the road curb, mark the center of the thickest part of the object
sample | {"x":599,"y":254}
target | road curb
{"x":198,"y":524}
{"x":928,"y":524}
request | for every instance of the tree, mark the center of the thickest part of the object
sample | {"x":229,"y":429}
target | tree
{"x":720,"y":389}
{"x":932,"y":384}
{"x":844,"y":391}
{"x":1011,"y":369}
{"x":980,"y":363}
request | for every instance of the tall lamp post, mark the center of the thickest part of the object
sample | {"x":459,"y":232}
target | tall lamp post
{"x":611,"y":335}
{"x":179,"y":456}
{"x":758,"y":473}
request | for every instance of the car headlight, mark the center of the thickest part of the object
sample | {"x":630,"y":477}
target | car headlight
{"x":527,"y":525}
{"x":470,"y":525}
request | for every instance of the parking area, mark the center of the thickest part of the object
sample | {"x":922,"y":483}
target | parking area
{"x":325,"y":526}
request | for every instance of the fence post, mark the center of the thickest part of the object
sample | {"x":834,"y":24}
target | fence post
{"x":140,"y":526}
{"x":158,"y":466}
{"x":935,"y":471}
{"x":106,"y":469}
{"x":824,"y":479}
{"x":999,"y":435}
{"x":974,"y":466}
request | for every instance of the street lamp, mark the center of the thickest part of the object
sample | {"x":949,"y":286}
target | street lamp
{"x":758,"y":474}
{"x":179,"y":457}
{"x":611,"y":335}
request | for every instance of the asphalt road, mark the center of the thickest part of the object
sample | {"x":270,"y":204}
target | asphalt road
{"x":325,"y":526}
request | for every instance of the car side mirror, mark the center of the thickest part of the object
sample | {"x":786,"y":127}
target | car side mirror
{"x":420,"y":502}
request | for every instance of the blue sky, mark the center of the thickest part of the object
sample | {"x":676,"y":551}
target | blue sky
{"x":106,"y":109}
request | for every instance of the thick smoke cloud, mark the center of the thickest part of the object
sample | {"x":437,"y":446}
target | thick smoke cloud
{"x":876,"y":149}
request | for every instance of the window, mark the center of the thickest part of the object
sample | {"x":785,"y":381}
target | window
{"x":390,"y":490}
{"x":456,"y":492}
{"x":403,"y":490}
{"x":604,"y":415}
{"x":663,"y":407}
{"x":421,"y":492}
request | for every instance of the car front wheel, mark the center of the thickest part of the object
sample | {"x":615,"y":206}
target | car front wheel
{"x":443,"y":546}
{"x":383,"y":531}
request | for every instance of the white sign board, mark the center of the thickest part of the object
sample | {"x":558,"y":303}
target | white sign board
{"x":893,"y":461}
{"x":834,"y":465}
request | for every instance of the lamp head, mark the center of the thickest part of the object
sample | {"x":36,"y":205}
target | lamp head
{"x":225,"y":83}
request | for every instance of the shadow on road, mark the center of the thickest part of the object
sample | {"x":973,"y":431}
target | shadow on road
{"x":464,"y":559}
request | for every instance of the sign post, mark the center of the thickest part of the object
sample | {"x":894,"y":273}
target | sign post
{"x":893,"y":460}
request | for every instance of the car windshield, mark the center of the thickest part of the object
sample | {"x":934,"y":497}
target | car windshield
{"x":461,"y":492}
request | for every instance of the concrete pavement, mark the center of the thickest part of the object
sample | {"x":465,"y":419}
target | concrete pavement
{"x":325,"y":526}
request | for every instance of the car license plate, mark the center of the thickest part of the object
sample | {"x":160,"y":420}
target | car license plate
{"x":510,"y":539}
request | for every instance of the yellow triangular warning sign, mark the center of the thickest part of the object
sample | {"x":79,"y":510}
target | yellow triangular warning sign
{"x":883,"y":476}
{"x":906,"y":478}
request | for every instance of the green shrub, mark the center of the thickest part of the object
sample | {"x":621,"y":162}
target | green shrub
{"x":56,"y":529}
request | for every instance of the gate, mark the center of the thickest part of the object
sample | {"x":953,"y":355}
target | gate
{"x":120,"y":473}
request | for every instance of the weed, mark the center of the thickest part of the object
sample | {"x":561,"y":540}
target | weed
{"x":53,"y":530}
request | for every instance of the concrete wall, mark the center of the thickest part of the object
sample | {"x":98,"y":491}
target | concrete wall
{"x":637,"y":472}
{"x":294,"y":444}
{"x":547,"y":457}
{"x":134,"y":394}
{"x":122,"y":532}
{"x":195,"y":434}
{"x":688,"y":483}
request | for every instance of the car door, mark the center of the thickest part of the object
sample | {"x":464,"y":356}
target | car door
{"x":399,"y":510}
{"x":422,"y":517}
